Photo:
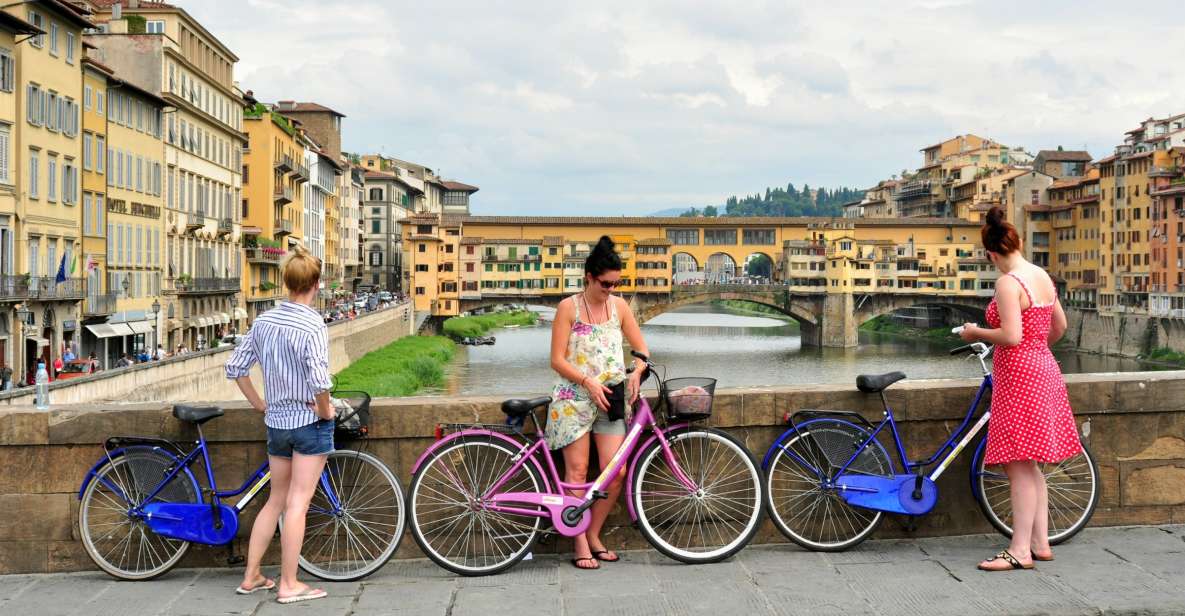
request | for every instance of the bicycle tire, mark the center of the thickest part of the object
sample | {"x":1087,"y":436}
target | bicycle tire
{"x":731,"y":518}
{"x":133,"y":472}
{"x":1068,"y":482}
{"x":833,"y":442}
{"x":369,"y":518}
{"x":425,"y":509}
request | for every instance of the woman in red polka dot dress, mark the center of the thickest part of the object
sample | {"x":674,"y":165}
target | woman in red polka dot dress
{"x":1031,"y":417}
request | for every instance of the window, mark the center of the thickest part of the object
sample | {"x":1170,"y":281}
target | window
{"x":100,"y":153}
{"x":423,"y":247}
{"x":7,"y":71}
{"x":5,"y":140}
{"x":54,"y":110}
{"x":99,"y":103}
{"x":759,"y":237}
{"x":376,"y":226}
{"x":70,"y":47}
{"x":683,"y":237}
{"x":37,"y":20}
{"x":717,"y":237}
{"x":53,"y":38}
{"x":87,"y":142}
{"x":51,"y":173}
{"x":156,"y":27}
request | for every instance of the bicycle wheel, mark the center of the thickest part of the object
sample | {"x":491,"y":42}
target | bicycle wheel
{"x":358,"y":536}
{"x":450,"y":521}
{"x":807,"y":513}
{"x":711,"y":523}
{"x":119,"y":543}
{"x":1073,"y":494}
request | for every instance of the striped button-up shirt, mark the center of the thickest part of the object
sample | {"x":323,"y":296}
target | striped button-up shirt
{"x":291,"y":344}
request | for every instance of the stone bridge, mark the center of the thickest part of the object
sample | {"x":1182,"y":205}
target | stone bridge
{"x":827,"y":319}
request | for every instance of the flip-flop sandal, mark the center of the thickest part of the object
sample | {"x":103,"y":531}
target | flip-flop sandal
{"x":267,"y":584}
{"x":307,"y":594}
{"x":1007,"y":557}
{"x":576,"y":563}
{"x":597,"y":555}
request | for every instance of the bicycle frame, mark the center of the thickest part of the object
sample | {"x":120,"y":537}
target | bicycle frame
{"x":555,"y":501}
{"x":943,"y":456}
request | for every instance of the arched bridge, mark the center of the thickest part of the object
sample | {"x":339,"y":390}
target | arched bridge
{"x":827,"y":319}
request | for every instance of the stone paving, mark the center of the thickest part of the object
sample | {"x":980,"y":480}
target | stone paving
{"x":1132,"y":570}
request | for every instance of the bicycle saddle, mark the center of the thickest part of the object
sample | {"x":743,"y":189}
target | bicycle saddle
{"x":872,"y":383}
{"x":518,"y":408}
{"x":197,"y":414}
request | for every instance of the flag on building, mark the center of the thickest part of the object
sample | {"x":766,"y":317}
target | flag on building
{"x":92,"y":264}
{"x":61,"y":271}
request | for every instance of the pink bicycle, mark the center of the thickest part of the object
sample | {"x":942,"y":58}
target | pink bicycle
{"x":479,"y":497}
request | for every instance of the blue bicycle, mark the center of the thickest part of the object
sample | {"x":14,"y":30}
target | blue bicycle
{"x":141,"y":505}
{"x":829,"y":479}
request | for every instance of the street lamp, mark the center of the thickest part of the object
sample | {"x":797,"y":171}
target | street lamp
{"x":155,"y":311}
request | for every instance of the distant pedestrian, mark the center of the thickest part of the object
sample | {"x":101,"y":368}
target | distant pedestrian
{"x":159,"y":353}
{"x":1031,"y":417}
{"x":125,"y":360}
{"x":68,"y":355}
{"x":291,"y":344}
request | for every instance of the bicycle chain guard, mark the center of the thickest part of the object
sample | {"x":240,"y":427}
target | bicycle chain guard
{"x":892,"y":494}
{"x":192,"y":522}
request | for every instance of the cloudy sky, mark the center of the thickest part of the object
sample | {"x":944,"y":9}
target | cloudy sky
{"x":630,"y":107}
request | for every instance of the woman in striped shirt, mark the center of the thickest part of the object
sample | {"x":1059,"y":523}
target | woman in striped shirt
{"x":290,"y":344}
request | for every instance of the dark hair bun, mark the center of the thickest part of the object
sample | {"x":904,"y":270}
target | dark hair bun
{"x":995,"y":216}
{"x":602,"y":258}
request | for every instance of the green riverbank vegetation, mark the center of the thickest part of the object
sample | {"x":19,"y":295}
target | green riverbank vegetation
{"x":478,"y":325}
{"x":884,"y":325}
{"x":401,"y":368}
{"x":1166,"y":355}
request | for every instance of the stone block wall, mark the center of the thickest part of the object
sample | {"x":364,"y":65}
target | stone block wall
{"x":1133,"y":422}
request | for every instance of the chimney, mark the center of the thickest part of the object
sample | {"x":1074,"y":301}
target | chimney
{"x":116,"y":11}
{"x":133,"y":4}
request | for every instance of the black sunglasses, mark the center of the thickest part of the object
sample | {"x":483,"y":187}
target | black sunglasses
{"x":605,"y":284}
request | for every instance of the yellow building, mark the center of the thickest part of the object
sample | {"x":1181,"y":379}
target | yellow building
{"x":553,"y":265}
{"x":274,"y":176}
{"x":161,"y":48}
{"x":47,"y":137}
{"x":653,"y":266}
{"x":13,"y":286}
{"x":1074,"y":212}
{"x":1125,"y":219}
{"x":100,"y":301}
{"x":624,"y":244}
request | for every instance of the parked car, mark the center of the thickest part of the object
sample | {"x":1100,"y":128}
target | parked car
{"x":232,"y":339}
{"x":385,"y":296}
{"x":76,"y":368}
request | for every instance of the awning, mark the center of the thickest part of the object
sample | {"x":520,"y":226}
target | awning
{"x":240,"y":313}
{"x":105,"y":330}
{"x":204,"y":322}
{"x":222,"y":318}
{"x":41,"y":342}
{"x":175,"y":324}
{"x":140,"y":327}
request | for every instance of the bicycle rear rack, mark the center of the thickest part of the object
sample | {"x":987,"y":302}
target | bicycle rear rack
{"x":448,"y":428}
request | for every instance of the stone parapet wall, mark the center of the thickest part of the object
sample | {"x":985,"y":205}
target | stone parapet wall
{"x":1133,"y":422}
{"x":202,"y":376}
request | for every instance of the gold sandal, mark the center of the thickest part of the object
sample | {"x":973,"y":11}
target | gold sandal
{"x":1007,"y":557}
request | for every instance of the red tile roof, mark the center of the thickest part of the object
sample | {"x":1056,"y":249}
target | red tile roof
{"x":307,"y":108}
{"x":1065,"y":155}
{"x":148,"y":4}
{"x":451,"y":185}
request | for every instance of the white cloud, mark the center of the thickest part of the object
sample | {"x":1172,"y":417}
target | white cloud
{"x":626,"y":107}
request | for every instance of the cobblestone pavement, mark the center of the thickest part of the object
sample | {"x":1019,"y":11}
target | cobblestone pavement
{"x":1134,"y":570}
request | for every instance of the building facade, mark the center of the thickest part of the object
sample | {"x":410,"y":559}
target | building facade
{"x":384,"y":207}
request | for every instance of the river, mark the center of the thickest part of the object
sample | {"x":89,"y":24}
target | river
{"x":736,"y":349}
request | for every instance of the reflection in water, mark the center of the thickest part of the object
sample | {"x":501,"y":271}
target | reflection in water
{"x":738,"y":350}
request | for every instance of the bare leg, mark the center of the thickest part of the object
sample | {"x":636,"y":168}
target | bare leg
{"x":576,"y":471}
{"x":306,"y":472}
{"x":607,"y":445}
{"x":1024,"y":509}
{"x":265,"y":523}
{"x":1040,"y":539}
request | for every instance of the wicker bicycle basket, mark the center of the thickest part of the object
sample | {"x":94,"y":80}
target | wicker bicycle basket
{"x":353,"y":415}
{"x":689,"y":398}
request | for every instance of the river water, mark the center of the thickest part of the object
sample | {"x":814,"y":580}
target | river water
{"x":735,"y":348}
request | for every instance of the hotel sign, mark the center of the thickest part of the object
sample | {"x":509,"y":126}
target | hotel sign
{"x":119,"y":206}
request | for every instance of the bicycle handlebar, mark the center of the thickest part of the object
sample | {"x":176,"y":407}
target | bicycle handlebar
{"x":963,"y":349}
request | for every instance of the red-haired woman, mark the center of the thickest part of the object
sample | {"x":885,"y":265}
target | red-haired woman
{"x":1031,"y":417}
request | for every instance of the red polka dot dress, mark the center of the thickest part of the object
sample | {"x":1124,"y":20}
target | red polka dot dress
{"x":1031,"y":416}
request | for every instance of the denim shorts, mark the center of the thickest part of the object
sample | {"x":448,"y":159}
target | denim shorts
{"x":315,"y":439}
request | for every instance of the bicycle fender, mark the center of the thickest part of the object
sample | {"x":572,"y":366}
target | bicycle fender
{"x":778,"y":444}
{"x":115,"y":453}
{"x":471,"y":433}
{"x":629,"y":492}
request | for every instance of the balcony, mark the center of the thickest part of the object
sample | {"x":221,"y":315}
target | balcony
{"x":99,"y":305}
{"x":264,"y":256}
{"x":195,"y":220}
{"x":914,"y":190}
{"x":47,"y":288}
{"x":532,"y":258}
{"x":225,"y":226}
{"x":16,"y":288}
{"x":1167,"y":172}
{"x":282,"y":195}
{"x":206,"y":286}
{"x":300,"y":171}
{"x":284,"y":164}
{"x":283,"y":227}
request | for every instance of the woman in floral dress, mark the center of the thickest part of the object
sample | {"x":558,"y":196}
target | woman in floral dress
{"x":1031,"y":417}
{"x":587,"y":353}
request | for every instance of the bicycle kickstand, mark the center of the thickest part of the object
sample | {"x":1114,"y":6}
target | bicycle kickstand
{"x":233,"y":559}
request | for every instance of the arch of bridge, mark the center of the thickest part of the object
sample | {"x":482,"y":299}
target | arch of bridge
{"x":802,"y":309}
{"x":971,"y":307}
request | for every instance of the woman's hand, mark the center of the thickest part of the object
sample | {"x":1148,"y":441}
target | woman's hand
{"x":633,"y":385}
{"x":596,"y":392}
{"x":970,"y":333}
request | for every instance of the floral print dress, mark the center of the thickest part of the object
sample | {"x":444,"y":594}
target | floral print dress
{"x":596,"y":350}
